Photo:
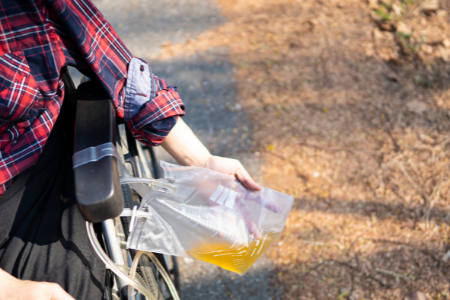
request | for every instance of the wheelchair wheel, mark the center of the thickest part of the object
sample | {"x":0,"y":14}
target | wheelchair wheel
{"x":146,"y":268}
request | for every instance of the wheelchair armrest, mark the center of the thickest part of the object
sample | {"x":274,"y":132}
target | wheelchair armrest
{"x":97,"y":186}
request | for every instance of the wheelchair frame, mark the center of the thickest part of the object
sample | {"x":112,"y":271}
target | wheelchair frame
{"x":97,"y":187}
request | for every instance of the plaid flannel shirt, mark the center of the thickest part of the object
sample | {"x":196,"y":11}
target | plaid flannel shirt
{"x":37,"y":39}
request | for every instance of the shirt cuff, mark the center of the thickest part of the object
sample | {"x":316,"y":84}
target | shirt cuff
{"x":154,"y":134}
{"x":151,"y":107}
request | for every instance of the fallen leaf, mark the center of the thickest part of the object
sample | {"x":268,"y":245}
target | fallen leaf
{"x":403,"y":28}
{"x":446,"y":43}
{"x":416,"y":106}
{"x":430,"y":5}
{"x":427,"y":48}
{"x":271,"y":147}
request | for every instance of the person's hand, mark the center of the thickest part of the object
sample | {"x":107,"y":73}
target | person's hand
{"x":231,"y":166}
{"x":12,"y":288}
{"x":187,"y":150}
{"x":234,"y":167}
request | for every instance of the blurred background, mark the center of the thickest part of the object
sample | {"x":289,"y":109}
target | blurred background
{"x":343,"y":104}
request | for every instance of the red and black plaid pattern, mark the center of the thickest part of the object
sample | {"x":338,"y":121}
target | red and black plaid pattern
{"x":37,"y":39}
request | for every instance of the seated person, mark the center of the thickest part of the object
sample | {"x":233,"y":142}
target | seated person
{"x":44,"y":249}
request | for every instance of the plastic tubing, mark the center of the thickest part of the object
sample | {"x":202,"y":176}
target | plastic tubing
{"x":114,"y":268}
{"x":124,"y":180}
{"x":160,"y":268}
{"x":138,"y":184}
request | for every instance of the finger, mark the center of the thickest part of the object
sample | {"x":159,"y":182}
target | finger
{"x":247,"y":180}
{"x":272,"y":207}
{"x":218,"y":217}
{"x":58,"y":293}
{"x":251,"y":226}
{"x":256,"y":197}
{"x":239,"y":187}
{"x":253,"y":229}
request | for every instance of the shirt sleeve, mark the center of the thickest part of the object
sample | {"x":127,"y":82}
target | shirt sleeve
{"x":88,"y":41}
{"x":151,"y":107}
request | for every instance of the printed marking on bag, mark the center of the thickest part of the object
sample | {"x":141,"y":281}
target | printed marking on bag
{"x":224,"y":196}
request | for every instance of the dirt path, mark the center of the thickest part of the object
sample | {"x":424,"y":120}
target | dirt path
{"x":206,"y":84}
{"x":350,"y":104}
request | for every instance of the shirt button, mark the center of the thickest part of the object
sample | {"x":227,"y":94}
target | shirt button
{"x":142,"y":68}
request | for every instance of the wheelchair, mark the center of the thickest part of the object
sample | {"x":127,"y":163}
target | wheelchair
{"x":101,"y":197}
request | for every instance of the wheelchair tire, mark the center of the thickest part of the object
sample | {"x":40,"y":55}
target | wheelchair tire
{"x":146,"y":269}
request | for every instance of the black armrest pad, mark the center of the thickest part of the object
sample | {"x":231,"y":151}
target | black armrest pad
{"x":97,"y":186}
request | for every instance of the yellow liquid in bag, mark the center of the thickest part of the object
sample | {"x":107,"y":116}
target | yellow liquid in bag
{"x":237,"y":259}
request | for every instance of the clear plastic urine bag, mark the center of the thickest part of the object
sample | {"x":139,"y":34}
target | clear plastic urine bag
{"x":199,"y":213}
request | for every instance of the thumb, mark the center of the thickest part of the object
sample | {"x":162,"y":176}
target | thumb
{"x":247,"y":180}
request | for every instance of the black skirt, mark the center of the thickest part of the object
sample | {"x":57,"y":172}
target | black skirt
{"x":42,"y":233}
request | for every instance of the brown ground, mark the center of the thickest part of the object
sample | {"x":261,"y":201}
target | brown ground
{"x":350,"y":103}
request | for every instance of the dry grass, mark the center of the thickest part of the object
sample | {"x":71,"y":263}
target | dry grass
{"x":350,"y":104}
